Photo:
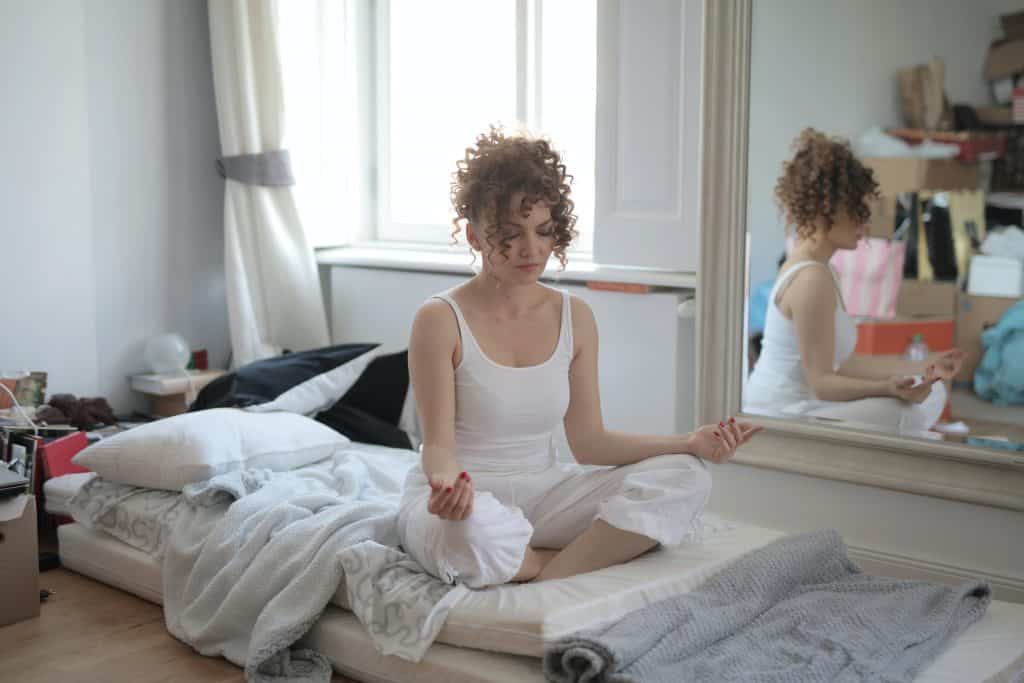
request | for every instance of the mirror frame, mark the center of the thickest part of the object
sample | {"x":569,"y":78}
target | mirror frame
{"x":933,"y":468}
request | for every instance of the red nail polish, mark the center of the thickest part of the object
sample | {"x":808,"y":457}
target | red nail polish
{"x":721,"y":424}
{"x":732,"y":420}
{"x":463,"y":476}
{"x":717,"y":434}
{"x":448,"y":489}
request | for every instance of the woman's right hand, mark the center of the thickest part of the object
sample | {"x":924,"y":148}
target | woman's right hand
{"x":908,"y":389}
{"x":451,"y":496}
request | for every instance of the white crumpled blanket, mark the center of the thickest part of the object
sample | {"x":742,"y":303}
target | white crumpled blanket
{"x":255,"y":556}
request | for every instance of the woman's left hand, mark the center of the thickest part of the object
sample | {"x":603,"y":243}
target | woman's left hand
{"x":718,"y":443}
{"x":946,"y":366}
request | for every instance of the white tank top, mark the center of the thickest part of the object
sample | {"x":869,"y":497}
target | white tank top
{"x":506,"y":417}
{"x":778,"y":378}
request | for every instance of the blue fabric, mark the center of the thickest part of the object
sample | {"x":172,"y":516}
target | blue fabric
{"x":759,"y":294}
{"x":999,"y":377}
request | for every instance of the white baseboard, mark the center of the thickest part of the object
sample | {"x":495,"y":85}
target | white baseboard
{"x":1008,"y":588}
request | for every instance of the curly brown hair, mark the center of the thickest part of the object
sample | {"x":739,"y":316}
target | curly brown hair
{"x":498,"y":167}
{"x":823,"y":178}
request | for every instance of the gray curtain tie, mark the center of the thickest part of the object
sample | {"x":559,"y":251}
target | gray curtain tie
{"x":272,"y":169}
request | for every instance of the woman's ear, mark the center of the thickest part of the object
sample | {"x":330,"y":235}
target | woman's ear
{"x":471,"y":237}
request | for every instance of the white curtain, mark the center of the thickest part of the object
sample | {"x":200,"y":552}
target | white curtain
{"x":325,"y":56}
{"x":273,"y":288}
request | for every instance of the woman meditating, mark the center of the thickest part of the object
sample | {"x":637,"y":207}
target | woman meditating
{"x":807,"y":365}
{"x":496,"y":364}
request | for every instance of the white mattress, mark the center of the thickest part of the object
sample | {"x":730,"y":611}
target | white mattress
{"x":520,"y":618}
{"x":59,"y":491}
{"x":139,"y":517}
{"x":992,"y":647}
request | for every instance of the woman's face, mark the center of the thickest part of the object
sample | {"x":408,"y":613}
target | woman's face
{"x":530,"y":239}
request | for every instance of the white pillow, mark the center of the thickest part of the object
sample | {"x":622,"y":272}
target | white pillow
{"x":170,"y":453}
{"x":320,"y":392}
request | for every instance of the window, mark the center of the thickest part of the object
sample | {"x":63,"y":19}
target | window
{"x":383,"y":96}
{"x":385,"y":99}
{"x":450,"y":68}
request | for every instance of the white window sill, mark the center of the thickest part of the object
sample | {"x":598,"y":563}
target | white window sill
{"x":580,"y":269}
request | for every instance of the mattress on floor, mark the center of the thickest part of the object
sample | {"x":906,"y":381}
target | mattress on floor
{"x":515,"y":619}
{"x":520,"y":618}
{"x":992,"y":647}
{"x":58,"y":491}
{"x":139,"y":517}
{"x":990,"y":651}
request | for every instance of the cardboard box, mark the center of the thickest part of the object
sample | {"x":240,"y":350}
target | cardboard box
{"x":1005,"y":59}
{"x":896,"y":175}
{"x":995,"y":116}
{"x":166,"y":405}
{"x":1013,"y":24}
{"x":883,"y":217}
{"x":891,"y":337}
{"x":996,"y":276}
{"x":974,"y":314}
{"x":920,"y":298}
{"x":19,"y":559}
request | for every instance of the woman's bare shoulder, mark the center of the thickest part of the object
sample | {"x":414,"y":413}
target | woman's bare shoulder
{"x":810,"y":288}
{"x":435,"y":323}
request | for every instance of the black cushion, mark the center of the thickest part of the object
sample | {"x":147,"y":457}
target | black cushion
{"x":361,"y":425}
{"x":381,"y":389}
{"x":369,"y":411}
{"x":264,"y":380}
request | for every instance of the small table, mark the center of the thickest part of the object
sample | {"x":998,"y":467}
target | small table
{"x":169,"y":393}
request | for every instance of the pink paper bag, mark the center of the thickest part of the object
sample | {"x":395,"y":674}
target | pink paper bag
{"x":870,"y":276}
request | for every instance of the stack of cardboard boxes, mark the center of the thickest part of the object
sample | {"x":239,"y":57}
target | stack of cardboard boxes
{"x":938,"y":311}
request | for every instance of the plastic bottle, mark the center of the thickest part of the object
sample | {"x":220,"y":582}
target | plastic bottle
{"x":916,"y":350}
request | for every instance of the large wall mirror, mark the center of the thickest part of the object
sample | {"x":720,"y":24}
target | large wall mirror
{"x":863,"y":174}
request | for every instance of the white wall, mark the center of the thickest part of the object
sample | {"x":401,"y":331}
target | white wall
{"x":832,"y":64}
{"x":113,"y":210}
{"x":47,"y":281}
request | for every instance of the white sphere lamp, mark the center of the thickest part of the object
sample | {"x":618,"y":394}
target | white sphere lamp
{"x":167,"y":353}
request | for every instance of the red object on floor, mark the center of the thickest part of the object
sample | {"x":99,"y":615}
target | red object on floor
{"x":55,"y":459}
{"x":56,"y":455}
{"x":891,"y":337}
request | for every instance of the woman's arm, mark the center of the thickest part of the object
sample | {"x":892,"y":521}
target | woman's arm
{"x":811,"y":301}
{"x":880,"y":367}
{"x":432,"y":348}
{"x":592,"y":444}
{"x":945,"y":364}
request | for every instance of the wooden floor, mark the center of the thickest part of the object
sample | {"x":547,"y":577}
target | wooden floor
{"x":89,"y":632}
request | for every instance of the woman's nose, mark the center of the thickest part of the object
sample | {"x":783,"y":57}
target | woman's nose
{"x":529,"y":243}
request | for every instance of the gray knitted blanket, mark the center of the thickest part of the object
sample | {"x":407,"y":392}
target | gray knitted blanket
{"x":793,"y":611}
